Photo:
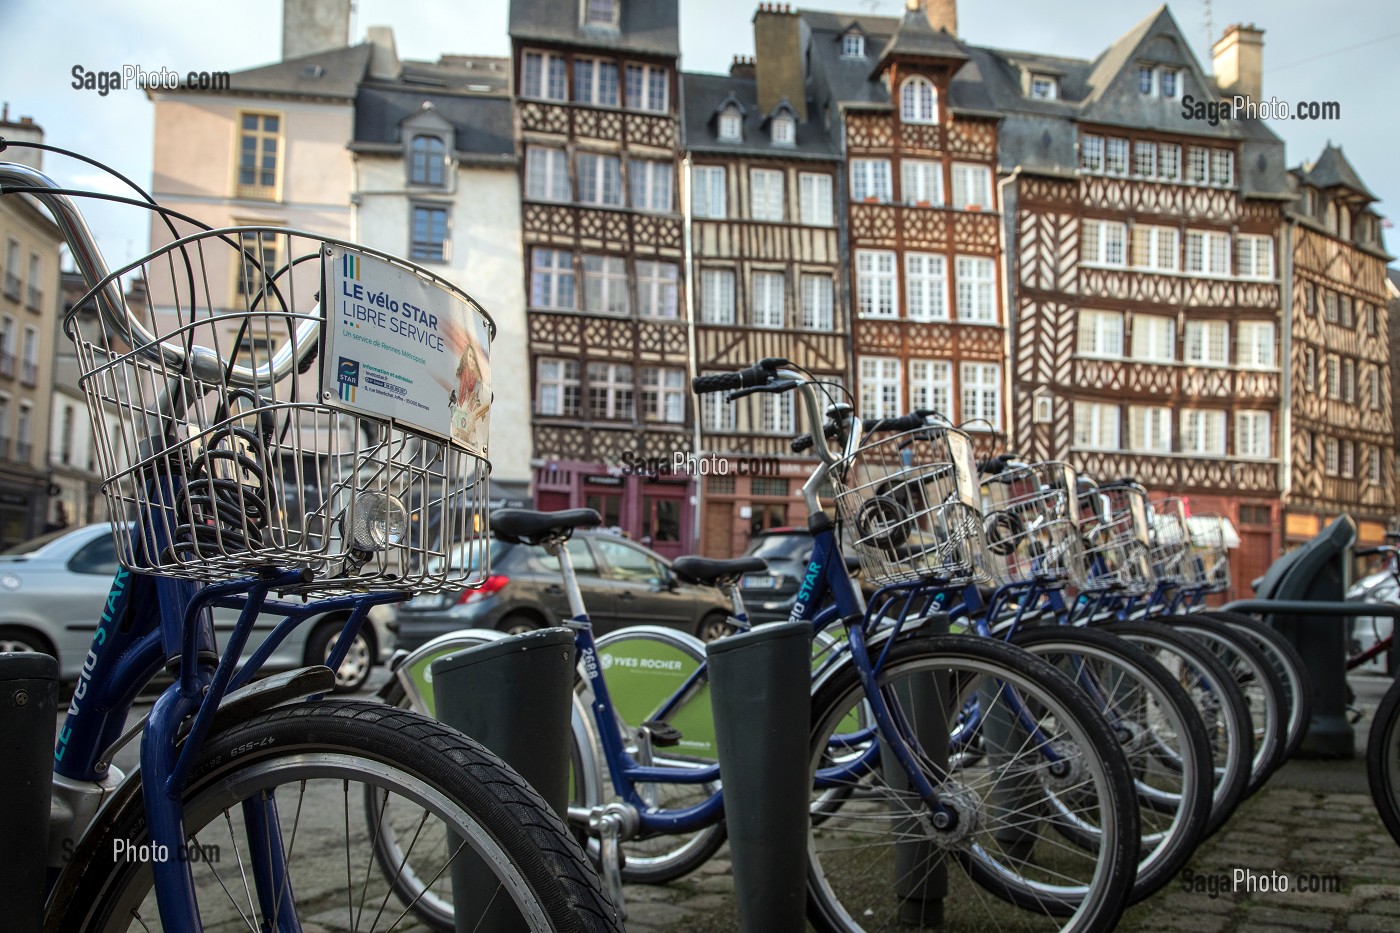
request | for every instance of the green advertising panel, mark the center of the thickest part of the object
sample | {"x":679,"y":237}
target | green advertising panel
{"x":643,"y":672}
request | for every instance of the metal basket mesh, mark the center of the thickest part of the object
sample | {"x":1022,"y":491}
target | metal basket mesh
{"x":1113,"y":526}
{"x":1169,"y":541}
{"x":222,"y":480}
{"x":1209,"y":561}
{"x":1031,"y":520}
{"x":911,"y":507}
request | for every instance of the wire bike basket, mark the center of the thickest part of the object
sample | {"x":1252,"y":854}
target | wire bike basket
{"x":1169,"y":542}
{"x":912,"y":508}
{"x":290,"y":400}
{"x":1208,"y":565}
{"x":1113,"y":527}
{"x":1031,"y":521}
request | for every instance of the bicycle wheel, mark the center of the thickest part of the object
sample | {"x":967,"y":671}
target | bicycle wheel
{"x":885,"y":859}
{"x":1297,"y":682}
{"x":1383,"y":760}
{"x":1159,"y":731}
{"x":307,"y":766}
{"x":1218,"y":701}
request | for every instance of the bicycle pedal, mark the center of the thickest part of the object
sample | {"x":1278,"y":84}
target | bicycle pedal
{"x":663,"y":734}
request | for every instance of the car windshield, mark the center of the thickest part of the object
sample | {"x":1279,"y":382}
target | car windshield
{"x":34,"y":544}
{"x":469,"y":554}
{"x":781,"y":546}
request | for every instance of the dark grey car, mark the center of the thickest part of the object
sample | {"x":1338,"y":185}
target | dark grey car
{"x":622,"y":584}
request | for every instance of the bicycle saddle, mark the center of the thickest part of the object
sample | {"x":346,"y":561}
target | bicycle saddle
{"x":706,"y":570}
{"x":516,"y":525}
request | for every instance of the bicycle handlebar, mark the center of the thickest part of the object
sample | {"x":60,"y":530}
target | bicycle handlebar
{"x":759,"y":374}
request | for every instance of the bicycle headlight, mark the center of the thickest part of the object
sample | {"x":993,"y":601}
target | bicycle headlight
{"x":381,"y":521}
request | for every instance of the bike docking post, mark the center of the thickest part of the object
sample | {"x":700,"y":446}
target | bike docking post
{"x":28,"y":701}
{"x":760,"y":683}
{"x":514,"y":696}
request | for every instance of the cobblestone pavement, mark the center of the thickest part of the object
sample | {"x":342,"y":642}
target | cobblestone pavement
{"x":1313,"y":824}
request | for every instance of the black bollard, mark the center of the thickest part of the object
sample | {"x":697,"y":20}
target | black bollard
{"x":760,"y":684}
{"x":514,"y":696}
{"x":28,"y":701}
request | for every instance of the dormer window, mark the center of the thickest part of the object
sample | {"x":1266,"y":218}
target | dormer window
{"x":1309,"y":202}
{"x":784,"y":130}
{"x":918,"y":101}
{"x":731,"y":125}
{"x":1145,"y":79}
{"x":427,"y":156}
{"x":601,"y":13}
{"x":1159,"y":80}
{"x":1168,"y":82}
{"x":853,"y":45}
{"x":1045,"y":87}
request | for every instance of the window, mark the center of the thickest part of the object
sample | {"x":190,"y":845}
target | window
{"x":1149,"y":429}
{"x":1334,"y":377}
{"x":731,"y":124}
{"x":657,"y":289}
{"x":1100,"y":333}
{"x":765,"y":194}
{"x":775,"y":414}
{"x":921,"y":182}
{"x":1207,"y":253}
{"x":429,"y":234}
{"x":1168,"y":82}
{"x":1196,"y":165}
{"x":1203,"y":432}
{"x":1154,"y":248}
{"x":1252,"y":435}
{"x":29,"y":372}
{"x":1330,"y":218}
{"x":783,"y":130}
{"x":853,"y":45}
{"x":259,"y":155}
{"x":1346,"y":302}
{"x":1115,"y":161}
{"x":1369,"y":317}
{"x":768,"y":299}
{"x":976,"y":279}
{"x":1169,"y":162}
{"x":1096,"y":425}
{"x":1348,"y":456}
{"x":709,"y":191}
{"x":717,"y":296}
{"x":427,"y":156}
{"x":1310,"y":368}
{"x":1145,"y":159}
{"x":605,"y":284}
{"x":259,"y":262}
{"x":1255,"y":344}
{"x":931,"y":386}
{"x":1044,"y":87}
{"x":981,"y":393}
{"x":646,"y":88}
{"x":1222,"y":167}
{"x":1373,"y":388}
{"x":5,"y":427}
{"x":1154,"y":338}
{"x":814,"y":199}
{"x":1330,"y":304}
{"x":24,"y":431}
{"x":1091,"y":153}
{"x":1103,"y":243}
{"x":816,"y":303}
{"x":1373,"y":466}
{"x":926,"y":282}
{"x":600,"y":12}
{"x":1331,"y":457}
{"x":558,"y":391}
{"x":610,"y":391}
{"x":627,"y":563}
{"x":1254,"y":256}
{"x":651,"y":185}
{"x":716,"y":414}
{"x":545,"y":77}
{"x":663,"y":394}
{"x":879,"y":388}
{"x":870,"y":179}
{"x":1208,"y":343}
{"x":1145,"y":79}
{"x":595,"y":82}
{"x":546,"y":174}
{"x":875,"y":283}
{"x":552,"y":278}
{"x":918,"y":101}
{"x":1348,"y":381}
{"x":972,"y":187}
{"x":599,"y":179}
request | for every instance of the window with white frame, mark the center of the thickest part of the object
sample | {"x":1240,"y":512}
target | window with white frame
{"x":1207,"y":343}
{"x":551,"y":278}
{"x":716,"y":414}
{"x":663,"y":394}
{"x":600,"y":12}
{"x":926,"y":286}
{"x":611,"y":394}
{"x":1207,"y":253}
{"x":1347,"y":320}
{"x":1254,"y":256}
{"x":429,"y":233}
{"x":717,"y":296}
{"x":1149,"y":429}
{"x":918,"y":101}
{"x":921,"y":182}
{"x":1373,"y":388}
{"x":1154,"y":338}
{"x":1334,"y":377}
{"x":1155,"y":248}
{"x":1045,"y":87}
{"x":817,"y":305}
{"x":853,"y":45}
{"x":595,"y":82}
{"x":1348,"y":459}
{"x":1168,"y":82}
{"x":1145,"y":159}
{"x":558,"y":391}
{"x":599,"y":179}
{"x":1096,"y":425}
{"x":1115,"y":158}
{"x":1330,"y":306}
{"x":1100,"y":333}
{"x":814,"y":199}
{"x":972,"y":186}
{"x":1222,"y":167}
{"x":651,"y":184}
{"x":545,"y":77}
{"x":1373,"y":466}
{"x":783,"y":130}
{"x":1169,"y":162}
{"x":731,"y":124}
{"x":708,"y":198}
{"x":1348,"y":381}
{"x":1252,"y":435}
{"x":768,"y":299}
{"x":1103,"y":243}
{"x":1203,"y":432}
{"x":1197,"y":165}
{"x":1146,"y":79}
{"x":765,"y":194}
{"x":1091,"y":153}
{"x":976,"y":279}
{"x":775,"y":413}
{"x":870,"y":179}
{"x":605,"y":284}
{"x":658,"y":289}
{"x":427,"y":161}
{"x":981,"y":394}
{"x":931,"y":386}
{"x":875,"y":283}
{"x":546,"y":173}
{"x":1310,"y":368}
{"x":1254,"y":342}
{"x":880,"y":395}
{"x":1331,"y":456}
{"x":647,"y":88}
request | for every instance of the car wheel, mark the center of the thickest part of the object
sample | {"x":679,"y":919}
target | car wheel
{"x":359,"y":660}
{"x":714,"y":626}
{"x":518,"y":623}
{"x":14,"y":638}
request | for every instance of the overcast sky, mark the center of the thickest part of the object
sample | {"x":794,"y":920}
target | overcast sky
{"x":1342,"y":50}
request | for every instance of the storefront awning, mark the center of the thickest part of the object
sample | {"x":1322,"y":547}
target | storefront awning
{"x":1202,"y":525}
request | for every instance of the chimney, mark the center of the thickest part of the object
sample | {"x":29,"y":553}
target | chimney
{"x":777,"y":43}
{"x":384,"y":54}
{"x":311,"y":26}
{"x":1239,"y":61}
{"x":742,"y":67}
{"x":941,"y":14}
{"x":26,"y":131}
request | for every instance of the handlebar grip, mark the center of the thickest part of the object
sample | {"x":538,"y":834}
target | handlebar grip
{"x":802,"y":442}
{"x":756,"y":375}
{"x":901,"y":423}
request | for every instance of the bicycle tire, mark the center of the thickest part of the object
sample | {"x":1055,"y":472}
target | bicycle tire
{"x":851,"y":884}
{"x":1164,"y":739}
{"x":1297,"y":681}
{"x":1383,"y":760}
{"x":330,"y":744}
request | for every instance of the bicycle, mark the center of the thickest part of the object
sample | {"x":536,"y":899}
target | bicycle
{"x":198,"y":440}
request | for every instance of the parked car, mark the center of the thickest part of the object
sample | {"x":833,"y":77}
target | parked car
{"x":622,"y":583}
{"x":769,"y":596}
{"x":52,"y":590}
{"x":1366,"y":631}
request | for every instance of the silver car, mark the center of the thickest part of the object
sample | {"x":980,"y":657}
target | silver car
{"x":52,"y":590}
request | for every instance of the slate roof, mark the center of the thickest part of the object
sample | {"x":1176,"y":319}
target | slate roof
{"x":648,"y":26}
{"x":464,"y":90}
{"x":1332,"y":170}
{"x":334,"y":74}
{"x":705,"y":93}
{"x":915,"y":36}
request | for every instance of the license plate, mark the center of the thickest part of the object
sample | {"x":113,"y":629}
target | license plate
{"x":427,"y":601}
{"x":759,"y":581}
